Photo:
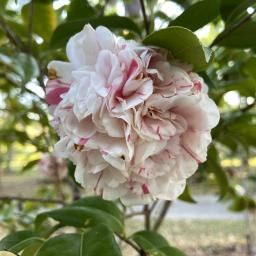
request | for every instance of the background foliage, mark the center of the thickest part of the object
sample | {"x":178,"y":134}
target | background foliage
{"x":34,"y":32}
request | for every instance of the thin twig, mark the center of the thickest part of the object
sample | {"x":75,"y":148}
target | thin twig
{"x":31,"y":199}
{"x":147,"y":217}
{"x":13,"y":37}
{"x":162,"y":214}
{"x":153,"y":206}
{"x":229,"y":31}
{"x":145,"y":18}
{"x":134,"y":246}
{"x":30,"y":25}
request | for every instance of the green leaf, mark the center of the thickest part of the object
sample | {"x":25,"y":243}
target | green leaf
{"x":183,"y":44}
{"x":44,"y":18}
{"x":81,"y":217}
{"x":79,"y":9}
{"x":246,"y":86}
{"x":26,"y":66}
{"x":239,"y":204}
{"x":148,"y":240}
{"x":26,"y":243}
{"x":31,"y":250}
{"x":16,"y":238}
{"x":98,"y":241}
{"x":214,"y":167}
{"x":227,"y":7}
{"x":171,"y":251}
{"x":29,"y":165}
{"x":154,"y":244}
{"x":239,"y":12}
{"x":198,"y":14}
{"x":101,"y":204}
{"x":250,"y":67}
{"x":64,"y":31}
{"x":242,"y":37}
{"x":186,"y":196}
{"x":64,"y":245}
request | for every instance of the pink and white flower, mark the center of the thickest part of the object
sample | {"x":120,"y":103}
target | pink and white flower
{"x":135,"y":123}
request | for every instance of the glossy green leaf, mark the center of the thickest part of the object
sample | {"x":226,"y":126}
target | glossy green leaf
{"x":101,"y":204}
{"x":16,"y":239}
{"x":80,"y":9}
{"x":64,"y":245}
{"x":242,"y":37}
{"x":68,"y":29}
{"x":99,"y":241}
{"x":227,"y":7}
{"x":239,"y":12}
{"x":44,"y":18}
{"x":183,"y":44}
{"x":78,"y":216}
{"x":155,"y":244}
{"x":198,"y":15}
{"x":32,"y":249}
{"x":148,"y":240}
{"x":26,"y":243}
{"x":171,"y":251}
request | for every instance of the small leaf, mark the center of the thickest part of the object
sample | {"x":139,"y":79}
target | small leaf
{"x":186,"y":196}
{"x":183,"y":44}
{"x":198,"y":15}
{"x":64,"y":31}
{"x":29,"y":165}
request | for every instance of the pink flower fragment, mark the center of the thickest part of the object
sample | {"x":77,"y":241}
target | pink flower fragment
{"x":135,"y":123}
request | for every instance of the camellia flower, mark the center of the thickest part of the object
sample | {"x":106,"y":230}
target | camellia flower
{"x":135,"y":123}
{"x":53,"y":167}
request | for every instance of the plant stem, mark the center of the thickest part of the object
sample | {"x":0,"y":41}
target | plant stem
{"x":31,"y":199}
{"x":13,"y":37}
{"x":147,"y":217}
{"x":162,"y":214}
{"x":30,"y":25}
{"x":229,"y":31}
{"x":135,"y":247}
{"x":145,"y":18}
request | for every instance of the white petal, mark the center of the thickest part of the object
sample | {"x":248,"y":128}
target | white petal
{"x":83,"y":47}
